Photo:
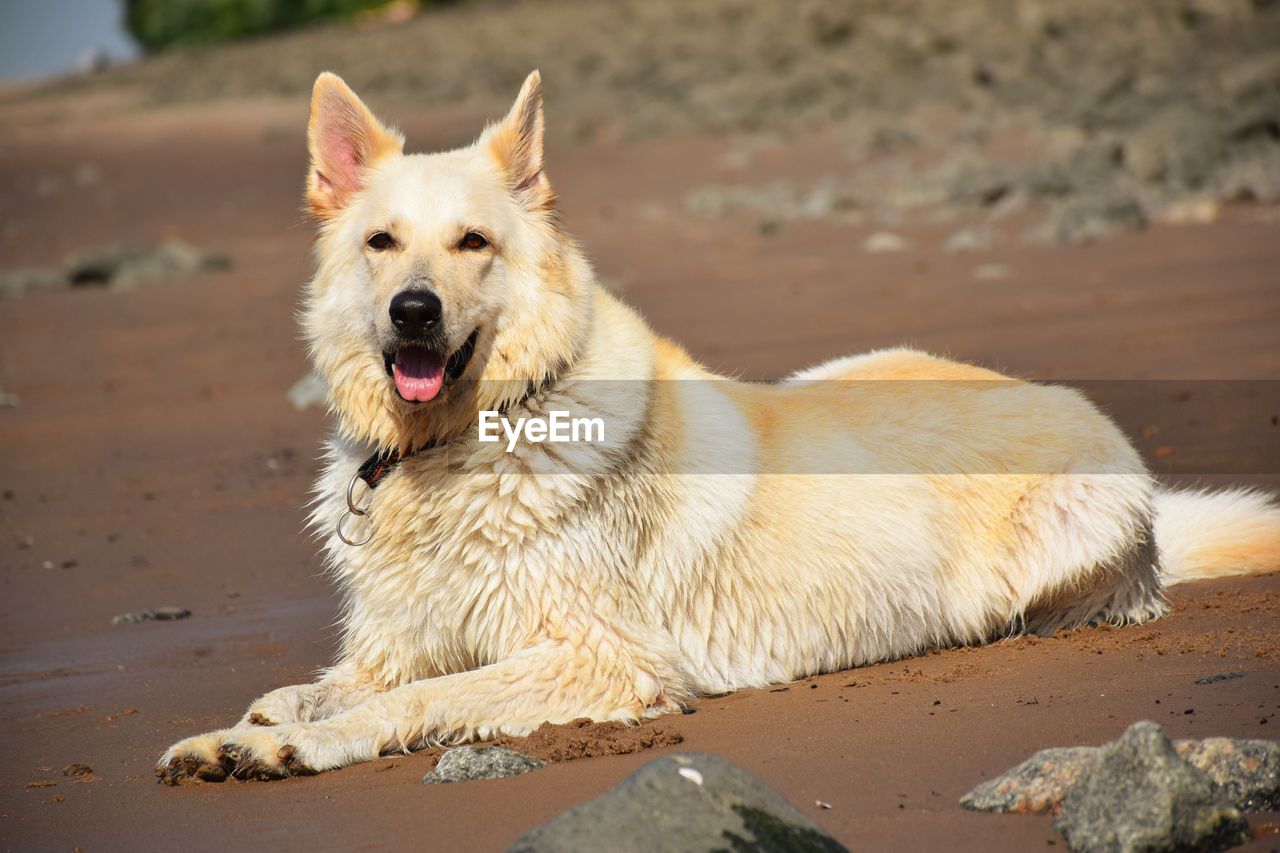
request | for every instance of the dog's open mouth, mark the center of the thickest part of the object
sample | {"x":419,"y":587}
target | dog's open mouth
{"x":420,"y":372}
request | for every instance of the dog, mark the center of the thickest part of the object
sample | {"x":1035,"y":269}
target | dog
{"x":722,"y":535}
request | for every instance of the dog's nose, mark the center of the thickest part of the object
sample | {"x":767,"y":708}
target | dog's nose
{"x":415,"y":312}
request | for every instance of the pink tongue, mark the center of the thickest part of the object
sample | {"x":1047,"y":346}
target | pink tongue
{"x":419,"y":373}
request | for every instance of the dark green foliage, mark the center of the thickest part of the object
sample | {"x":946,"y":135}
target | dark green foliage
{"x":158,"y":24}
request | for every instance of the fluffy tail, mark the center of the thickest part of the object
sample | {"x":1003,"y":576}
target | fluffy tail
{"x":1202,"y":535}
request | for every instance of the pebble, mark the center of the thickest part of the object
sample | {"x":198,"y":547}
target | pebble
{"x":158,"y":614}
{"x":884,"y":242}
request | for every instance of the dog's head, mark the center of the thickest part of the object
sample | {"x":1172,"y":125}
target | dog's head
{"x":444,"y":282}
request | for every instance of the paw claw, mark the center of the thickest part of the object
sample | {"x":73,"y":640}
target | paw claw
{"x":185,"y":769}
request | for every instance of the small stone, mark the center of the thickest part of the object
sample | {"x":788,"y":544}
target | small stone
{"x":158,"y":614}
{"x":1191,"y":211}
{"x":1138,"y":794}
{"x":77,"y":771}
{"x":884,"y":242}
{"x":18,"y":281}
{"x":468,"y":763}
{"x":1088,"y":218}
{"x":968,"y":240}
{"x":1222,"y":676}
{"x":991,"y":272}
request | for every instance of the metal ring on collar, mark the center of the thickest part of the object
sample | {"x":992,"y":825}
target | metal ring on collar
{"x":351,"y":501}
{"x":353,"y":542}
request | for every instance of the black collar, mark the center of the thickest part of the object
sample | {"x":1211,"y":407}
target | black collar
{"x":382,"y":463}
{"x":375,"y":469}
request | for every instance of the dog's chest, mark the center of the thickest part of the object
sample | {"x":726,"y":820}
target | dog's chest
{"x":459,"y":570}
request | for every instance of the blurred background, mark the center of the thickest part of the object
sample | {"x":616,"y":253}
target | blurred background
{"x":1070,"y":191}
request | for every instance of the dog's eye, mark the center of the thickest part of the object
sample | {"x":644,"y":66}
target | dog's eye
{"x":380,"y":241}
{"x":473,"y":242}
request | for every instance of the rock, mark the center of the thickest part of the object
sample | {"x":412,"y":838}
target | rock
{"x":9,"y":400}
{"x":158,"y":614}
{"x":1036,"y":786}
{"x":18,"y":281}
{"x":309,"y":391}
{"x":1221,"y":676}
{"x":1247,"y":770}
{"x":468,"y":763}
{"x":883,"y":242}
{"x":991,"y":272}
{"x":129,"y":265}
{"x":78,"y":771}
{"x":1138,"y":794}
{"x":1190,"y":211}
{"x":968,"y":240}
{"x":687,"y":801}
{"x":1179,"y":146}
{"x":1086,"y":218}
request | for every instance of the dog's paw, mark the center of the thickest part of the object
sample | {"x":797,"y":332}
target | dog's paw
{"x":286,"y":705}
{"x":262,"y":754}
{"x":196,"y":759}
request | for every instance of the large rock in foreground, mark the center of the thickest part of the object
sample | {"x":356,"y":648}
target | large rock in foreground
{"x":687,"y":802}
{"x":1138,"y":794}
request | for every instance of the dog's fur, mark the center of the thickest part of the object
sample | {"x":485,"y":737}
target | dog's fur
{"x":617,"y":582}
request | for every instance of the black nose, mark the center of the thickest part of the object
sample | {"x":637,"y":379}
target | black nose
{"x":415,"y":312}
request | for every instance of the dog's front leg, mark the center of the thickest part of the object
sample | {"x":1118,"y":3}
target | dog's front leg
{"x":337,"y":690}
{"x":553,"y":681}
{"x":204,"y":756}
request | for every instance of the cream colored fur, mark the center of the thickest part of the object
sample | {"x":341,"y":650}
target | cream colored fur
{"x":617,"y":582}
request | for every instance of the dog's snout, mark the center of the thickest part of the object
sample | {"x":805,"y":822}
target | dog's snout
{"x":414,"y":313}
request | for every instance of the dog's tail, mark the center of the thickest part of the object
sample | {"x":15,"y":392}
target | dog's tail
{"x":1203,"y":534}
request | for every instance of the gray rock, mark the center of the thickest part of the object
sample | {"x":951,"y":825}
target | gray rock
{"x":158,"y":614}
{"x":968,"y":240}
{"x":1036,"y":786}
{"x":468,"y":763}
{"x":688,"y":802}
{"x":884,"y":242}
{"x":18,"y":281}
{"x":1138,"y":794}
{"x":127,"y":266}
{"x":1179,"y":146}
{"x":1248,"y":771}
{"x":991,"y":272}
{"x":1086,"y":218}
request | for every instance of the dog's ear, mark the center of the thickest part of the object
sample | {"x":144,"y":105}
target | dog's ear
{"x":344,"y":139}
{"x":516,"y":143}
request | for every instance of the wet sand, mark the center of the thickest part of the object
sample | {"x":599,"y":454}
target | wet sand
{"x":155,"y":461}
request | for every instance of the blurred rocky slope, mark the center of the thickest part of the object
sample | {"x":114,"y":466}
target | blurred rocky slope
{"x":1107,"y":112}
